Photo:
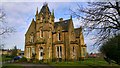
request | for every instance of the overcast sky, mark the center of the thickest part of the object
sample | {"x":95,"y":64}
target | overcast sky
{"x":20,"y":14}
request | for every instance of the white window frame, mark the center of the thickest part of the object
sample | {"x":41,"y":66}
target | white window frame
{"x":58,"y":52}
{"x":58,"y":36}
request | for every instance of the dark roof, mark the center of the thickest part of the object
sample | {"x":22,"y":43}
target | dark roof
{"x":77,"y":31}
{"x":44,"y":9}
{"x":64,"y":24}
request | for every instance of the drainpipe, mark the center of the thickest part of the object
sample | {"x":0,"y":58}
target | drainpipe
{"x":65,"y":46}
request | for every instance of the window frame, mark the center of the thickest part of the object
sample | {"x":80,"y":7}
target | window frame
{"x":59,"y":36}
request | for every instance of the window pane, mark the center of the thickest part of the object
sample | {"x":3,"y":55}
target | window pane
{"x":57,"y":49}
{"x":60,"y":48}
{"x":41,"y":54}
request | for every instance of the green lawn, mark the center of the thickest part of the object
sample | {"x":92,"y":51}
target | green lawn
{"x":12,"y":66}
{"x":86,"y":62}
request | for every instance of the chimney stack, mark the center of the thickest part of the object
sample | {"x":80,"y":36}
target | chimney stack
{"x":61,"y":19}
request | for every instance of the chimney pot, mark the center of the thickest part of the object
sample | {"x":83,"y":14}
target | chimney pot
{"x":61,"y":19}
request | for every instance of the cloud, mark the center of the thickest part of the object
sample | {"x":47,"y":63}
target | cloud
{"x":56,"y":0}
{"x":20,"y":14}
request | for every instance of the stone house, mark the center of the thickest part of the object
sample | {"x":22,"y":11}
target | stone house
{"x":54,"y":41}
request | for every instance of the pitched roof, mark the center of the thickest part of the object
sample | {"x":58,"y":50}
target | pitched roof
{"x":64,"y":24}
{"x":77,"y":31}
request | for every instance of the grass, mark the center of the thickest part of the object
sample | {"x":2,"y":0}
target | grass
{"x":86,"y":62}
{"x":12,"y":66}
{"x":6,"y":59}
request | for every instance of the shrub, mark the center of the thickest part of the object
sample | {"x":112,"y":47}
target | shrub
{"x":111,"y":49}
{"x":40,"y":61}
{"x":23,"y":59}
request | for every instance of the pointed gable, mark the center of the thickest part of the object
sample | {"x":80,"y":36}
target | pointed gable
{"x":31,"y":27}
{"x":77,"y":32}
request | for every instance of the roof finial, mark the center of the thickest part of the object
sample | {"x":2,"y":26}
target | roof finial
{"x":45,"y":4}
{"x":37,"y":11}
{"x":33,"y":19}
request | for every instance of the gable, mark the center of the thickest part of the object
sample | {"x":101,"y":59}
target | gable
{"x":31,"y":28}
{"x":77,"y":32}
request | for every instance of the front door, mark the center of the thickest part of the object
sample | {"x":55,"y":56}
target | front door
{"x":40,"y":53}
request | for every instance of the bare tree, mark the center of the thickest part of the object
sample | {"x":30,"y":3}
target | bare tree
{"x":5,"y":29}
{"x":101,"y":17}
